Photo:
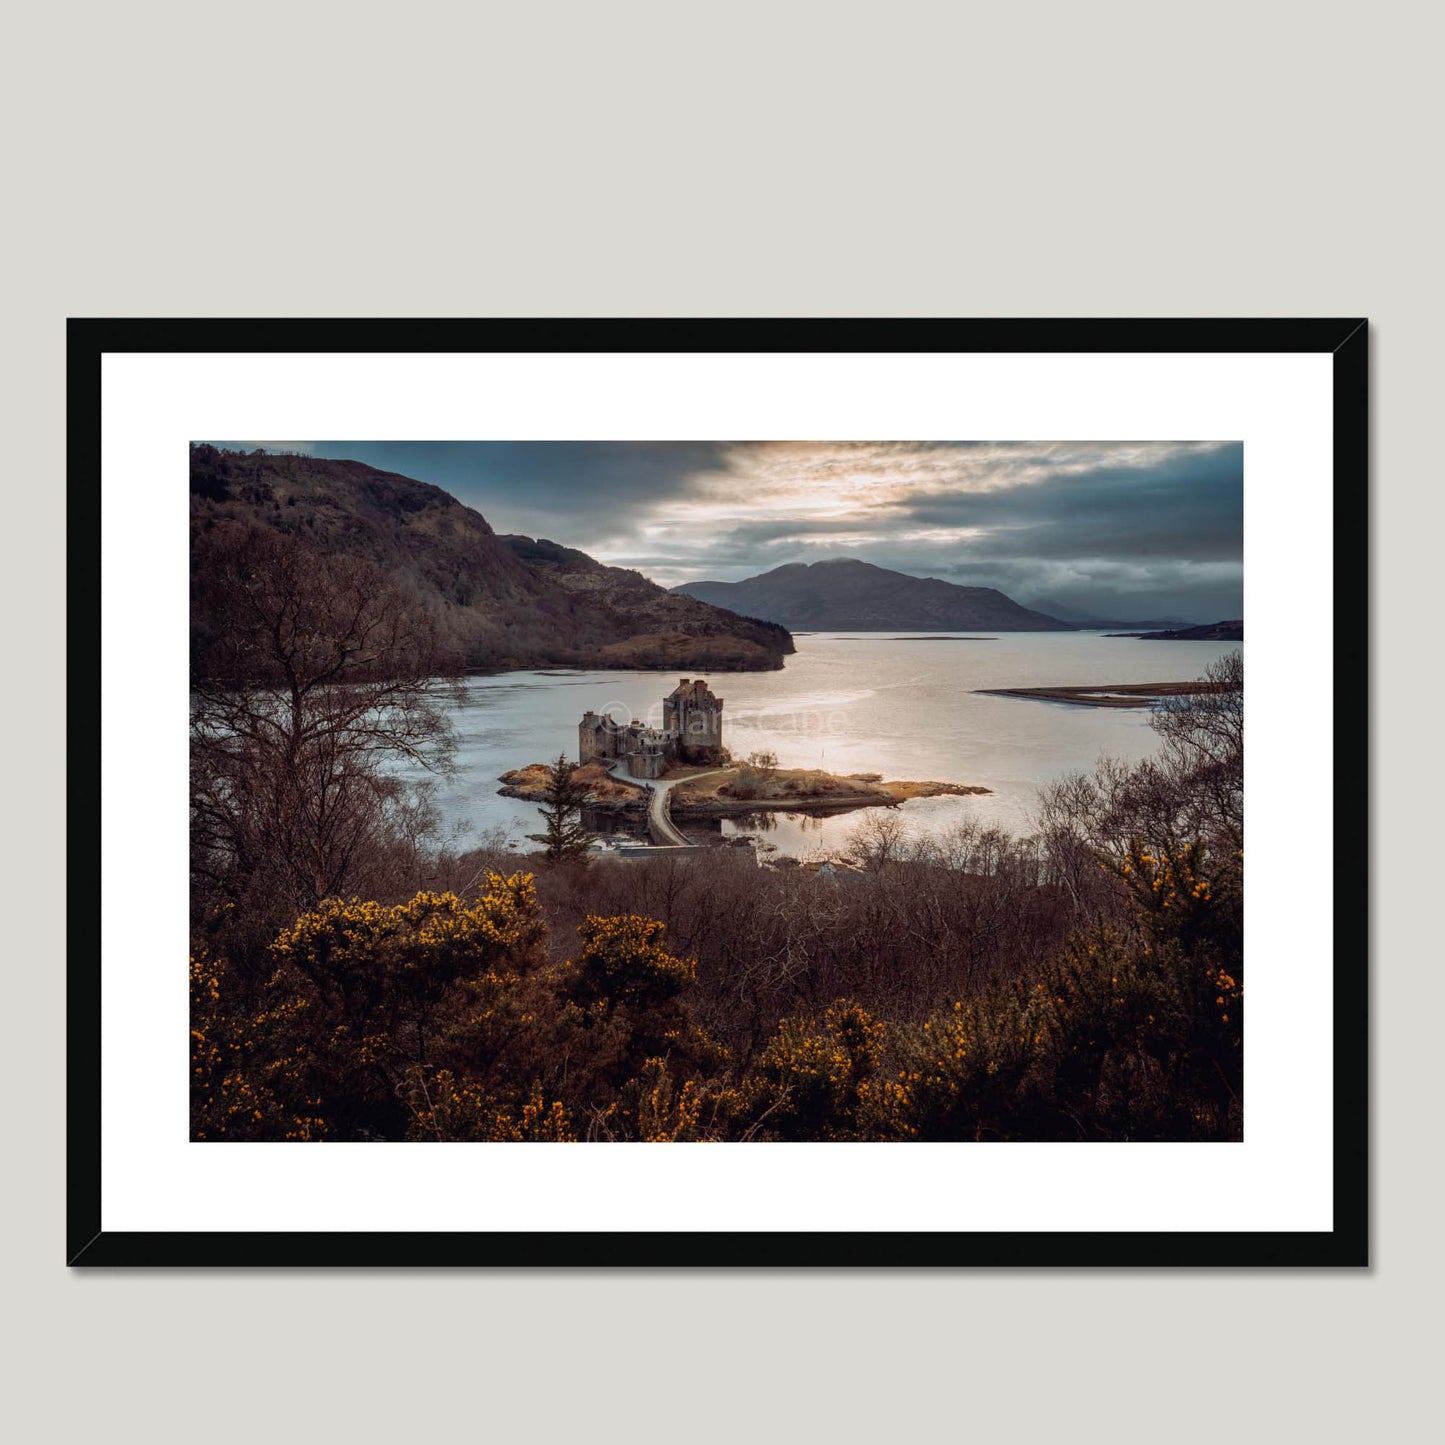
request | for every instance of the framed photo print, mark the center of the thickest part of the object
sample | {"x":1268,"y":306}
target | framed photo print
{"x":717,"y":792}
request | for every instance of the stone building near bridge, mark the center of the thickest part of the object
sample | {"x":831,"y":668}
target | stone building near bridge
{"x":691,"y":732}
{"x":648,"y":752}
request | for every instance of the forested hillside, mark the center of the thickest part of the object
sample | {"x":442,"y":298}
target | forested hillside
{"x":494,"y":605}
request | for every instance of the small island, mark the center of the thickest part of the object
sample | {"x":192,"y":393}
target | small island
{"x":1108,"y":694}
{"x":682,"y":769}
{"x":750,"y":788}
{"x":605,"y":793}
{"x":734,"y":788}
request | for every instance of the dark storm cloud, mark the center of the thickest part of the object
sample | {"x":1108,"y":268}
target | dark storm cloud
{"x":1144,"y":530}
{"x":1103,"y":528}
{"x":571,"y":489}
{"x":1188,"y":506}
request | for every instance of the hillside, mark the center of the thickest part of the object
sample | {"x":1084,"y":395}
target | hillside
{"x":1092,"y":622}
{"x":845,"y":595}
{"x":665,"y":625}
{"x":499,"y":602}
{"x":1232,"y":631}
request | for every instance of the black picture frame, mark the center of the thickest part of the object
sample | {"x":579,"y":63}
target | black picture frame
{"x":1346,"y":1244}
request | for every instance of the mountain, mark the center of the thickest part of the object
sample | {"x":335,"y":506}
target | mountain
{"x":664,"y":625}
{"x":845,"y":595}
{"x":498,"y":601}
{"x":1209,"y":632}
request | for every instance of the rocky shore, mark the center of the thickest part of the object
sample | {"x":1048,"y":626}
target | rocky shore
{"x":608,"y":794}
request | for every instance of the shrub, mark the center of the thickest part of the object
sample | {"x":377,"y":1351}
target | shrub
{"x":362,"y":994}
{"x":811,"y":1077}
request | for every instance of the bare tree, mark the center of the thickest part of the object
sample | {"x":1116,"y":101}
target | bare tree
{"x":313,"y":678}
{"x":879,"y":839}
{"x":764,"y":764}
{"x":1203,"y":735}
{"x":1192,"y":791}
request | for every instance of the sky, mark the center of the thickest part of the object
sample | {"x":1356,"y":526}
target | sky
{"x":1113,"y":530}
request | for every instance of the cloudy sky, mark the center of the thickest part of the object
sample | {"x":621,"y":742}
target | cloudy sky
{"x":1109,"y":529}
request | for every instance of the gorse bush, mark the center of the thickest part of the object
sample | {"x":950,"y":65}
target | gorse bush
{"x":438,"y":1019}
{"x":244,"y":1082}
{"x":444,"y":1020}
{"x":362,"y":996}
{"x":810,"y":1080}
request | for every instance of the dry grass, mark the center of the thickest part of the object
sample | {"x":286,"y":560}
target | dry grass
{"x":530,"y":783}
{"x":739,"y":790}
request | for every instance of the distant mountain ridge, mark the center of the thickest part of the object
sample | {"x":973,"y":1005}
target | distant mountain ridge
{"x":847,"y":595}
{"x":1092,"y":622}
{"x":498,"y":601}
{"x":1228,"y":631}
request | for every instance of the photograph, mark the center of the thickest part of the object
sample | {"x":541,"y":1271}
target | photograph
{"x":573,"y":791}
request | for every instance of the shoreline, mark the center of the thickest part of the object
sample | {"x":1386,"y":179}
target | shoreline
{"x":1107,"y":694}
{"x":844,"y":803}
{"x":794,"y":790}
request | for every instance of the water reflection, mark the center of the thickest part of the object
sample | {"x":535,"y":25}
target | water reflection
{"x":854,"y":704}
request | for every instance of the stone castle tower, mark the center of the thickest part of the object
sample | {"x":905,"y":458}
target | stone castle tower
{"x":692,"y":712}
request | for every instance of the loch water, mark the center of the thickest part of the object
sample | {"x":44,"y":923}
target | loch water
{"x":904,"y":705}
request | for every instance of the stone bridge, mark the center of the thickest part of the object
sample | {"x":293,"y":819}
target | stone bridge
{"x":660,"y":827}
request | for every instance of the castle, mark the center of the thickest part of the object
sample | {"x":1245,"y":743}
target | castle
{"x":691,"y":732}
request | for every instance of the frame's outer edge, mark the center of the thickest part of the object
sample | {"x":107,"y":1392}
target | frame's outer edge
{"x":1351,"y":1134}
{"x":1347,"y":1244}
{"x":733,"y":1250}
{"x":83,"y":793}
{"x":726,"y":334}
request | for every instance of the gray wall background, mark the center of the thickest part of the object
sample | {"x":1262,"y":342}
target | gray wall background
{"x":748,"y":159}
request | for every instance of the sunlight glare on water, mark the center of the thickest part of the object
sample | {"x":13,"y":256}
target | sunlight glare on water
{"x":902,"y":705}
